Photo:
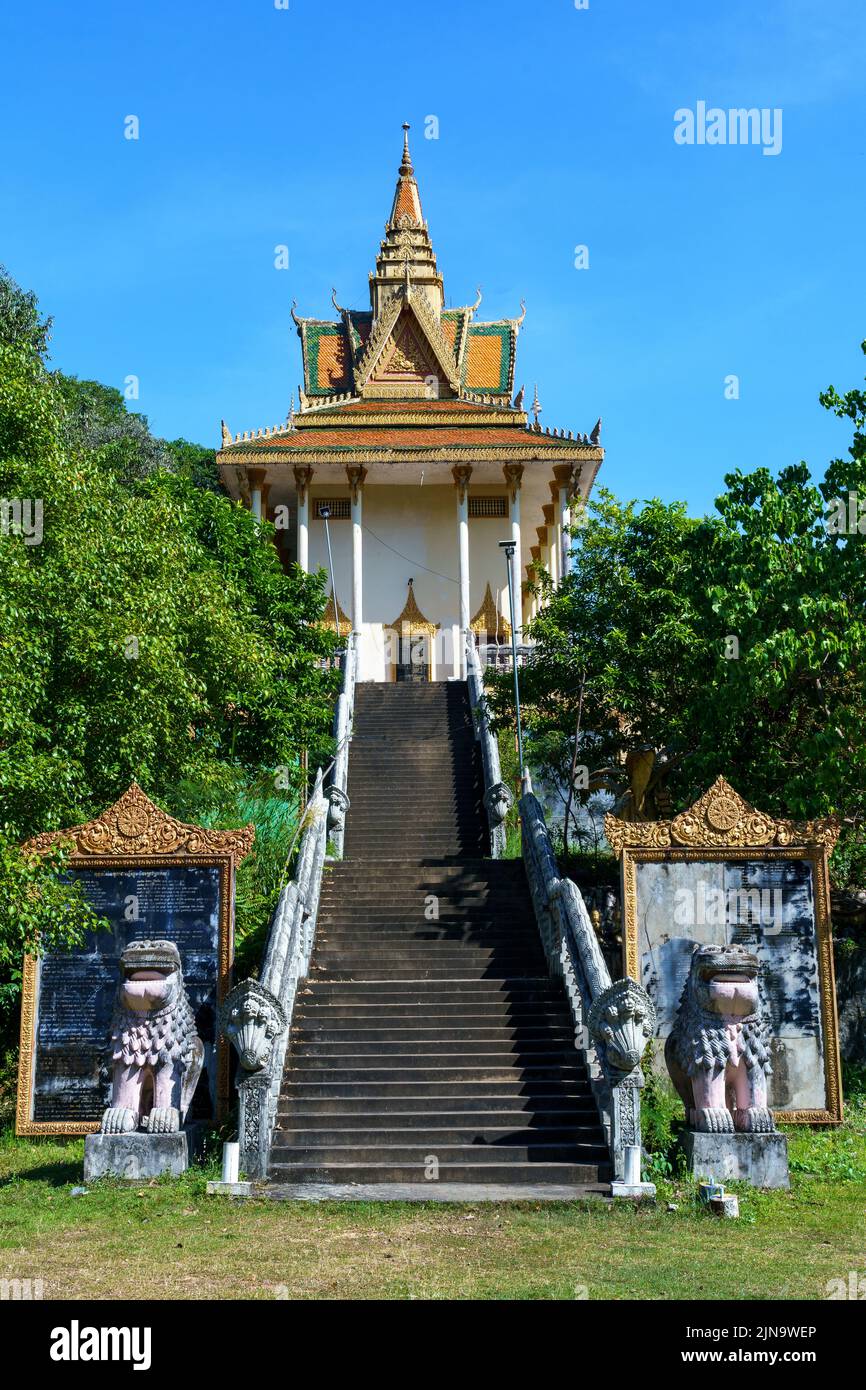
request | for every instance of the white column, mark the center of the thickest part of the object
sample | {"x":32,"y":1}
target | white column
{"x":556,"y":536}
{"x":461,"y":474}
{"x":356,"y":478}
{"x":303,"y":478}
{"x":565,"y":538}
{"x":552,"y":547}
{"x":533,"y":578}
{"x":540,"y":532}
{"x":564,"y":475}
{"x":256,"y":477}
{"x":513,"y":474}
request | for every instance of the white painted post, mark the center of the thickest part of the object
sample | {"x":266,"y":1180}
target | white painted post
{"x":631,"y":1174}
{"x":231,"y":1162}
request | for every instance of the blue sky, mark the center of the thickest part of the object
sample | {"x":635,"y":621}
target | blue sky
{"x":262,"y":126}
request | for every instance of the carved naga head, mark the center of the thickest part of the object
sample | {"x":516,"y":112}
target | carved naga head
{"x":621,"y":1021}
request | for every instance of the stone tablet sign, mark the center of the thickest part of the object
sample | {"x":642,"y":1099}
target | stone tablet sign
{"x":149,"y":876}
{"x":723,"y":873}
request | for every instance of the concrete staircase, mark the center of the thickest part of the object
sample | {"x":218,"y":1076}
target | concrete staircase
{"x":429,"y":1045}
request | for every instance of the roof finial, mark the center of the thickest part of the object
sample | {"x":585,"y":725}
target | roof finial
{"x":536,"y":404}
{"x":406,"y":166}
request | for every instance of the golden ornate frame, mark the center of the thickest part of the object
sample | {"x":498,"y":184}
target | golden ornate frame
{"x":719,"y":826}
{"x":409,"y":622}
{"x":134,"y":833}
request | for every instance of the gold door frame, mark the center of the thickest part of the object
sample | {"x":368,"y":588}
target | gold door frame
{"x":135,"y":834}
{"x":722,"y":826}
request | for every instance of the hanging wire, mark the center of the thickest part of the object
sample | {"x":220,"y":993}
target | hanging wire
{"x":408,"y":558}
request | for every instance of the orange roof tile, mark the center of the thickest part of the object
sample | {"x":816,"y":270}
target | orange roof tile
{"x":484,"y":362}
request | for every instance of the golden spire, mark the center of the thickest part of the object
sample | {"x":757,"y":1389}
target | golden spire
{"x":406,"y":166}
{"x":407,"y":202}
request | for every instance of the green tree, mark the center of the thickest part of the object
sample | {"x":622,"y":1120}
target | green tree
{"x":147,"y":630}
{"x":733,"y":644}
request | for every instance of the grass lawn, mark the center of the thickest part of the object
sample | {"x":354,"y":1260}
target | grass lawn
{"x":170,"y":1240}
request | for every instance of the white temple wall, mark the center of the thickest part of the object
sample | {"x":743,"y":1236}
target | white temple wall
{"x":411,"y":532}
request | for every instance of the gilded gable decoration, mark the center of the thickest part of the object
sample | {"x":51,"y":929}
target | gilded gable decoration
{"x":412,"y":619}
{"x":489,"y":620}
{"x":135,"y":825}
{"x":720,"y":819}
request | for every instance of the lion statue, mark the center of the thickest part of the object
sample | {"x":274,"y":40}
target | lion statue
{"x":156,"y":1053}
{"x":718,"y":1051}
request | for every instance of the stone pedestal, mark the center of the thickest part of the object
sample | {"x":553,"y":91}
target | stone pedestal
{"x":758,"y":1159}
{"x":138,"y":1157}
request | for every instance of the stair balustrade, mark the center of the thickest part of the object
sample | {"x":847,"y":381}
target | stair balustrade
{"x":498,"y":797}
{"x":613,"y":1020}
{"x":256,"y":1015}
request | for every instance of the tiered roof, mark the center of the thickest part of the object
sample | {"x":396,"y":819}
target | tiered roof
{"x":408,"y":377}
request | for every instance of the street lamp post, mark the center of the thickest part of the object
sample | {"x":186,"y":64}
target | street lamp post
{"x":509,"y":547}
{"x":325,"y":513}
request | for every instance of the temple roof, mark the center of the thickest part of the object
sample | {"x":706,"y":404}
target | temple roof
{"x":443,"y":428}
{"x":407,"y":335}
{"x":408,"y":377}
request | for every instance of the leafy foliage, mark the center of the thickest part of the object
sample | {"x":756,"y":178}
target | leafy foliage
{"x":152,"y":633}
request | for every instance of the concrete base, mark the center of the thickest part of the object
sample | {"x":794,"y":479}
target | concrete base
{"x":140,"y":1156}
{"x":634,"y":1191}
{"x":229,"y":1189}
{"x":758,"y":1159}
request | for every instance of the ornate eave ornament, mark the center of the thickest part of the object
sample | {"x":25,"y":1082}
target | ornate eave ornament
{"x":412,"y":619}
{"x":488,"y":618}
{"x":721,"y":819}
{"x":135,"y":826}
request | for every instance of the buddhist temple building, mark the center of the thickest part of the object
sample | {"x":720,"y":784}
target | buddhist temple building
{"x":410,"y":438}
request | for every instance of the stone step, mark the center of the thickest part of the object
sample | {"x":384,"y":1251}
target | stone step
{"x":413,"y":1053}
{"x":482,"y":1069}
{"x":412,"y":925}
{"x":510,"y":1087}
{"x":333,"y":1035}
{"x":561,"y":1174}
{"x":429,"y":991}
{"x":339,"y":1012}
{"x":375,"y":1112}
{"x":445,"y":955}
{"x":487,"y":1123}
{"x":287,"y":1150}
{"x":412,"y":1136}
{"x":462,"y":975}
